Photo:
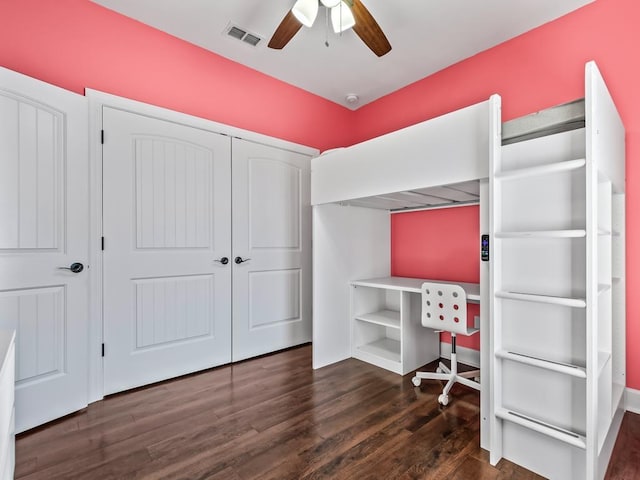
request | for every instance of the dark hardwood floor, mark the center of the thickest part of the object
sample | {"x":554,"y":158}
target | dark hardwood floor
{"x":276,"y":418}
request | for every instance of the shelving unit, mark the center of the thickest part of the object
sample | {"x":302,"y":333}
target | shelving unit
{"x":557,"y":294}
{"x":386,"y":326}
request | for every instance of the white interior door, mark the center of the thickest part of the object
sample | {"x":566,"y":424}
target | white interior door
{"x":44,"y":226}
{"x":167,"y":223}
{"x":272,"y":242}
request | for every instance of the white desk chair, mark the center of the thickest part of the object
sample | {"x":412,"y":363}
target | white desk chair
{"x":444,"y":308}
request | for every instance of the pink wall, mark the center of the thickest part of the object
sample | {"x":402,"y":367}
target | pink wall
{"x":541,"y":68}
{"x":440,"y":244}
{"x":76,"y":44}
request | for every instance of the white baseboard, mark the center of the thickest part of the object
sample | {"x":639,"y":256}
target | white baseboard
{"x":468,"y":356}
{"x":632,"y":400}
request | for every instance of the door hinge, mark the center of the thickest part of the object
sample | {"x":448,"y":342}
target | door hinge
{"x":103,"y":349}
{"x":102,"y":244}
{"x":102,"y":137}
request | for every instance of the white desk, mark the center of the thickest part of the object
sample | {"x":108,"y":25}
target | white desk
{"x":415,"y":284}
{"x":385,"y":323}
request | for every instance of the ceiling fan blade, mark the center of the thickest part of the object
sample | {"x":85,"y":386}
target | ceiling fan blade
{"x":368,"y":29}
{"x":288,"y":27}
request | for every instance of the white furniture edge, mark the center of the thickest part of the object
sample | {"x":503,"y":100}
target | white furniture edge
{"x":632,"y":400}
{"x":97,"y":100}
{"x":361,"y":250}
{"x":7,"y":450}
{"x":408,"y":284}
{"x":445,"y":150}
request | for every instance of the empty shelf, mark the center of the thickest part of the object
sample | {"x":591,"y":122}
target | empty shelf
{"x":544,"y":234}
{"x":386,"y":348}
{"x":566,"y":368}
{"x":541,"y":170}
{"x":528,"y":297}
{"x":386,"y":318}
{"x":545,"y":428}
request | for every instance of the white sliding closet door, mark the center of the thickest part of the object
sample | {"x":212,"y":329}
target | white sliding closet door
{"x":272,"y":242}
{"x":44,"y":221}
{"x":167,"y":223}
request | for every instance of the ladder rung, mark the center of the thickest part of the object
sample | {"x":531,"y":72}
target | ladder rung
{"x":530,"y":297}
{"x":541,"y":169}
{"x":545,"y":428}
{"x":565,"y":368}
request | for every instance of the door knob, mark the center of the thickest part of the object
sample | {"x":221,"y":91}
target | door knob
{"x":74,"y":267}
{"x":223,"y":260}
{"x":240,"y":260}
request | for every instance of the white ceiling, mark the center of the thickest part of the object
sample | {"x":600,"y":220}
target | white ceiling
{"x":425,"y":35}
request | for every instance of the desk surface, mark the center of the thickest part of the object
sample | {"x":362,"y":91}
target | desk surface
{"x":415,"y":284}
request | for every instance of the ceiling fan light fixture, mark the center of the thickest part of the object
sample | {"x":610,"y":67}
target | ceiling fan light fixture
{"x":305,"y":11}
{"x":342,"y":17}
{"x":330,"y":3}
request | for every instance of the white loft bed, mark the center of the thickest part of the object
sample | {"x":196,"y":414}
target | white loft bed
{"x":438,"y":163}
{"x":552,"y":404}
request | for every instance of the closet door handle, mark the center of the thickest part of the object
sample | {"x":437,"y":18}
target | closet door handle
{"x":74,"y":267}
{"x":240,"y":260}
{"x":223,"y":260}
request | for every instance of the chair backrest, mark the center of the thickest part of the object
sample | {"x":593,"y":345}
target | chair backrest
{"x":444,"y":307}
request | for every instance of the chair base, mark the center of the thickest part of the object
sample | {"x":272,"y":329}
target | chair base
{"x":451,"y":376}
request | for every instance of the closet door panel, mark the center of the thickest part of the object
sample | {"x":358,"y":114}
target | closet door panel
{"x":167,"y":220}
{"x":271,"y":249}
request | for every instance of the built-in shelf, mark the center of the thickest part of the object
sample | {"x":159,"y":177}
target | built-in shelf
{"x":386,"y":348}
{"x":386,"y":318}
{"x":544,"y":234}
{"x":565,"y":368}
{"x":550,"y":168}
{"x":545,"y":428}
{"x":529,"y":297}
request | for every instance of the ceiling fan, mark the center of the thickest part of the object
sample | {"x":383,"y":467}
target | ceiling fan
{"x":345,"y":14}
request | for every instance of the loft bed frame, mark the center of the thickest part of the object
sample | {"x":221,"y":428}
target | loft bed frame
{"x":454,"y":160}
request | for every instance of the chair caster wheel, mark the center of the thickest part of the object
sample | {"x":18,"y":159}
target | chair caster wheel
{"x":443,"y":400}
{"x":416,"y":381}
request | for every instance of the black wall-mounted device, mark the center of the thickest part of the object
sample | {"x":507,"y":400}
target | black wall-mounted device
{"x":484,"y":248}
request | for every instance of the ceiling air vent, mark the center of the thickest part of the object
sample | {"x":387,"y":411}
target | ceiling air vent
{"x":242,"y":35}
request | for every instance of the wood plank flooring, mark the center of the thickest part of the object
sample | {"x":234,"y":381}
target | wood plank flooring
{"x":275,"y":418}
